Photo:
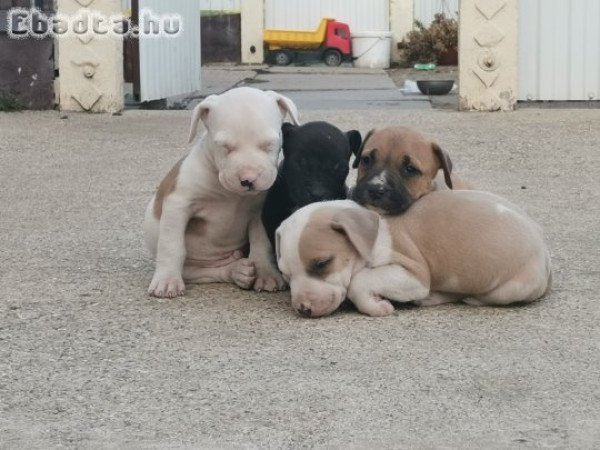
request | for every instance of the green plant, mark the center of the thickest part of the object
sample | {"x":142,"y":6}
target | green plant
{"x":424,"y":45}
{"x":9,"y":103}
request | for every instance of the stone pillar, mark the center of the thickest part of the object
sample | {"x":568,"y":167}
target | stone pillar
{"x":401,"y":22}
{"x":488,"y":55}
{"x":90,"y":67}
{"x":252,"y":31}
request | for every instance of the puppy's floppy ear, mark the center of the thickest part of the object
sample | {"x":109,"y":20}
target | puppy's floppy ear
{"x":445,"y":163}
{"x":287,"y":129}
{"x":360,"y":226}
{"x":354,"y":139}
{"x":286,"y":106}
{"x":201,"y":113}
{"x":359,"y":151}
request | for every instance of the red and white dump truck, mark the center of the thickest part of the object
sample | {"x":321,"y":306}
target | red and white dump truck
{"x":329,"y":43}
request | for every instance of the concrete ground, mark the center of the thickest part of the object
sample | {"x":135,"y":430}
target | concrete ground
{"x":313,"y":87}
{"x":88,"y":360}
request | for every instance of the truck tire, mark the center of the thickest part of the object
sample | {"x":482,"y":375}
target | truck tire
{"x":332,"y":57}
{"x":282,"y":57}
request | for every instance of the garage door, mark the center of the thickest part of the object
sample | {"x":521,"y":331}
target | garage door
{"x":559,"y":50}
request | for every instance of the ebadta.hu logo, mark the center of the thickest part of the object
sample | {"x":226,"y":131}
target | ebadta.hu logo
{"x":33,"y":23}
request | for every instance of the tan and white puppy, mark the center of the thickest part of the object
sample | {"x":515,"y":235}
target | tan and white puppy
{"x":208,"y":208}
{"x":397,"y":166}
{"x":449,"y":246}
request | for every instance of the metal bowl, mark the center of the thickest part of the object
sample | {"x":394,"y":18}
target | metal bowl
{"x":435,"y":87}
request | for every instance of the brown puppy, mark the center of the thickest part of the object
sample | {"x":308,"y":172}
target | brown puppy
{"x":397,"y":166}
{"x":451,"y":246}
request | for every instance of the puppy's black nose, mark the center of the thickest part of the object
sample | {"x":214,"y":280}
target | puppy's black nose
{"x":317,"y":194}
{"x":247,"y":184}
{"x":304,"y":310}
{"x":378,"y":191}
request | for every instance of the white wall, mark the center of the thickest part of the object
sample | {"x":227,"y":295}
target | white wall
{"x":559,"y":50}
{"x":171,"y":66}
{"x":213,"y":5}
{"x":426,"y":9}
{"x":361,"y":15}
{"x":220,"y":5}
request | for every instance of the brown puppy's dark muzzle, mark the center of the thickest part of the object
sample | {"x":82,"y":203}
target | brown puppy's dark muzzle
{"x":377,"y":192}
{"x":390,"y":197}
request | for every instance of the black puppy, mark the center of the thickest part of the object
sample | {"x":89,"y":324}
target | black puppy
{"x":316,"y":160}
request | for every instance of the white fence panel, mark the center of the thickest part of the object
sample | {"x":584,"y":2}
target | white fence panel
{"x":559,"y":50}
{"x":361,"y":15}
{"x":170,"y":66}
{"x":426,"y":9}
{"x":220,"y":5}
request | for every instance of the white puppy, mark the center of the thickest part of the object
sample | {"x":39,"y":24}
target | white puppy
{"x":208,"y":208}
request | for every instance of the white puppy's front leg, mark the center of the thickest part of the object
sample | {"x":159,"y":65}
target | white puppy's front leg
{"x":170,"y":254}
{"x":268,"y":277}
{"x":370,"y":288}
{"x":236,"y":269}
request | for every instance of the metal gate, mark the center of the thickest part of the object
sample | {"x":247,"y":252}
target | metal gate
{"x":170,"y":66}
{"x":559,"y":50}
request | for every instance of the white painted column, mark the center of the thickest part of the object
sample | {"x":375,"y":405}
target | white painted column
{"x":253,"y":19}
{"x":401,"y":22}
{"x":488,"y":55}
{"x":90,"y":68}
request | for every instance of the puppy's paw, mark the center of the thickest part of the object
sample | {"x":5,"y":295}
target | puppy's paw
{"x":375,"y":306}
{"x":169,"y":286}
{"x":243,"y":273}
{"x":269,"y":279}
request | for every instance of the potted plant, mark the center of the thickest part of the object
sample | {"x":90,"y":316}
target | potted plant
{"x":437,"y":43}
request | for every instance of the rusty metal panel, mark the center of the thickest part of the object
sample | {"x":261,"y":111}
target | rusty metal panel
{"x":26,"y":65}
{"x":361,"y":15}
{"x":559,"y":50}
{"x":27,"y":71}
{"x":221,"y":38}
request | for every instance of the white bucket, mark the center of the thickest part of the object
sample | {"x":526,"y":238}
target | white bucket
{"x":372,"y":49}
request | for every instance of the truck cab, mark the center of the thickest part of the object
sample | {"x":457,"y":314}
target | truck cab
{"x":338,"y":37}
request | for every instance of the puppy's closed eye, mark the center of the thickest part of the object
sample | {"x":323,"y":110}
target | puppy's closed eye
{"x":318,"y":266}
{"x":270,"y":145}
{"x":411,"y":171}
{"x":409,"y":168}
